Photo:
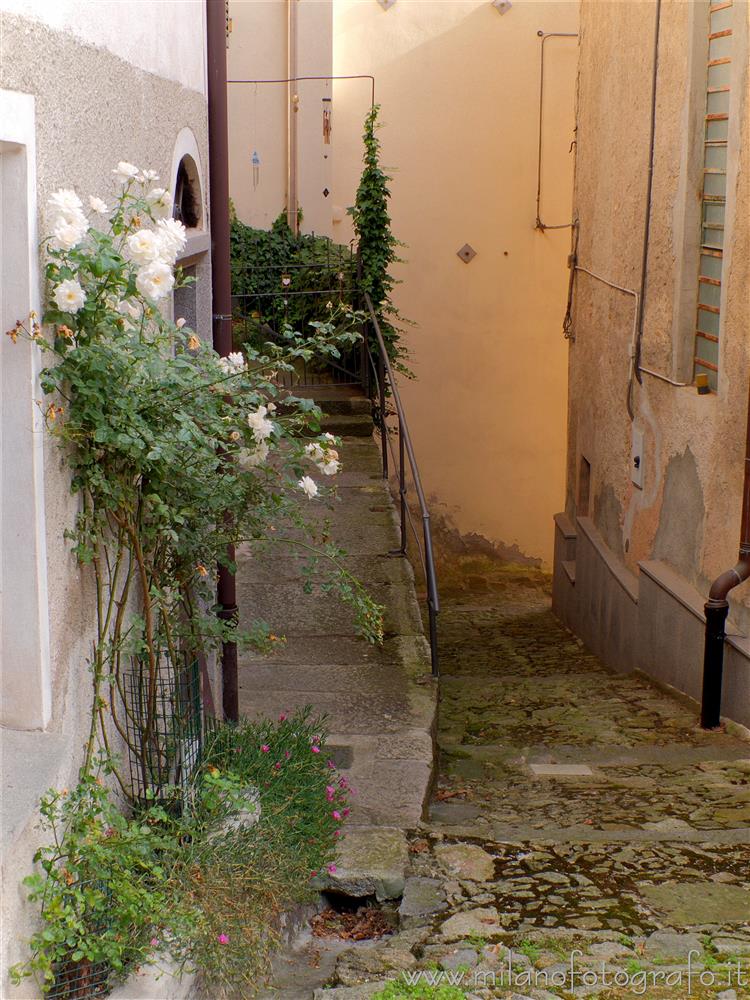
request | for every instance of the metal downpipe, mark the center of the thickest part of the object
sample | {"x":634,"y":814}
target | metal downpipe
{"x":717,"y":608}
{"x":221,"y":285}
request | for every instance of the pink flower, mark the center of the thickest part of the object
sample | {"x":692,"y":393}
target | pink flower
{"x":154,"y":942}
{"x":336,"y":833}
{"x":287,"y":754}
{"x":277,"y":765}
{"x":331,"y":765}
{"x":315,"y":749}
{"x":330,"y":792}
{"x":336,"y":814}
{"x":282,"y":717}
{"x":332,"y":869}
{"x":265,"y":748}
{"x":343,"y":783}
{"x":223,"y":939}
{"x":346,"y":812}
{"x":313,"y":874}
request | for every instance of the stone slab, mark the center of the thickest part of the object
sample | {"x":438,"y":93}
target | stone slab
{"x":466,"y":861}
{"x":690,"y":904}
{"x":371,"y":861}
{"x":422,"y":899}
{"x":561,"y":770}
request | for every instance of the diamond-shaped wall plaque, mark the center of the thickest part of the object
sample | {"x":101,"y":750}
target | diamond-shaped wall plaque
{"x":502,"y":6}
{"x":386,"y":4}
{"x":467,"y":253}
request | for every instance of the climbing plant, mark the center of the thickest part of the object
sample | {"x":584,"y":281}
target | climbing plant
{"x":176,"y":454}
{"x":281,"y":277}
{"x":377,"y":246}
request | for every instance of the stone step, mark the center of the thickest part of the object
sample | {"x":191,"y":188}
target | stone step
{"x":346,"y":406}
{"x":357,"y":425}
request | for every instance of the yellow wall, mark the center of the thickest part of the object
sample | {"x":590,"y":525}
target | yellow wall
{"x":459,"y":89}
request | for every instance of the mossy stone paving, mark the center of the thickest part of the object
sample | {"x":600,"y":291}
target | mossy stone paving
{"x":649,"y":830}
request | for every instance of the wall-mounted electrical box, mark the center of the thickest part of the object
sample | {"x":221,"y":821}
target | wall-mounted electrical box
{"x":637,"y":458}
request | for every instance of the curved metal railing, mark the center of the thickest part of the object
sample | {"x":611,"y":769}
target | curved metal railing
{"x":386,"y":390}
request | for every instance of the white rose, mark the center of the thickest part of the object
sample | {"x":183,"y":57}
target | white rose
{"x":233,"y":363}
{"x":172,"y":239}
{"x":125,"y":171}
{"x":66,"y":202}
{"x":69,"y":296}
{"x":144,"y":246}
{"x":128,"y":308}
{"x":69,"y":231}
{"x":155,"y":280}
{"x":97,"y":205}
{"x":160,"y":201}
{"x":330,"y":467}
{"x":149,"y":176}
{"x":259,"y":424}
{"x":251,"y":459}
{"x":308,"y":486}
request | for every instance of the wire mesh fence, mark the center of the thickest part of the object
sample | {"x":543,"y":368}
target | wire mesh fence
{"x":163,"y":725}
{"x":84,"y":979}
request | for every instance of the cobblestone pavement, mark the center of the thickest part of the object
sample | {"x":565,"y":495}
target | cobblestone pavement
{"x":578,"y":815}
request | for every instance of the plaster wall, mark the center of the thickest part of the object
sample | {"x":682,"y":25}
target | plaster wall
{"x":459,"y":89}
{"x":687,"y":513}
{"x":258,"y":50}
{"x":122,"y":112}
{"x":164,"y":37}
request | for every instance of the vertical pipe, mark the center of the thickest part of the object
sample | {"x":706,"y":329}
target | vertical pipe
{"x":402,"y":485}
{"x":713,"y":672}
{"x":291,"y":113}
{"x":218,"y":142}
{"x":717,"y":606}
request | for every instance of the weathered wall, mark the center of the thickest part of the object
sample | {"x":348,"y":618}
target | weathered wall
{"x":459,"y":89}
{"x":687,"y":513}
{"x":93,"y":108}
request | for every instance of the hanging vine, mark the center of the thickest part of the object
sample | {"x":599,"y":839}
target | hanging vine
{"x":376,"y":243}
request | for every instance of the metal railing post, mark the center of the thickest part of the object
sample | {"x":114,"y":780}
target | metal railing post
{"x":383,"y":422}
{"x":402,"y":484}
{"x":433,"y":603}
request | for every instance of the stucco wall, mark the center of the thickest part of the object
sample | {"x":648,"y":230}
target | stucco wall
{"x":687,"y":513}
{"x":459,"y":89}
{"x":92,"y":109}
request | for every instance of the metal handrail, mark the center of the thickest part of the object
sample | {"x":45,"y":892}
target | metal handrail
{"x":383,"y":371}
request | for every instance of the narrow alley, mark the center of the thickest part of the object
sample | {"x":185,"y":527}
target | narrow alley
{"x":578,"y":816}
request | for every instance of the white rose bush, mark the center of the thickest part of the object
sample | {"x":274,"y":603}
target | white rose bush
{"x":176,"y":453}
{"x":176,"y":456}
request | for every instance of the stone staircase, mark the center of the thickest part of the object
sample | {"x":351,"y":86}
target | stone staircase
{"x":380,"y":701}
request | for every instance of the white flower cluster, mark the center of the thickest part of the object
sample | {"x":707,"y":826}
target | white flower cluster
{"x":156,"y":250}
{"x":308,"y":486}
{"x":259,"y":424}
{"x":70,"y":226}
{"x":233,"y":363}
{"x":324,"y":455}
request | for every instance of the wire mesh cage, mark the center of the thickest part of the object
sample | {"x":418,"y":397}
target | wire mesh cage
{"x":163,"y":725}
{"x":84,"y":979}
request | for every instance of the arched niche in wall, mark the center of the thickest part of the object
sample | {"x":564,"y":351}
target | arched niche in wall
{"x":187,"y":182}
{"x":192,"y":302}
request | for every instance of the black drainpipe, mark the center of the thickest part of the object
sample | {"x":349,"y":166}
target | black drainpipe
{"x":221,"y":284}
{"x":717,"y":608}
